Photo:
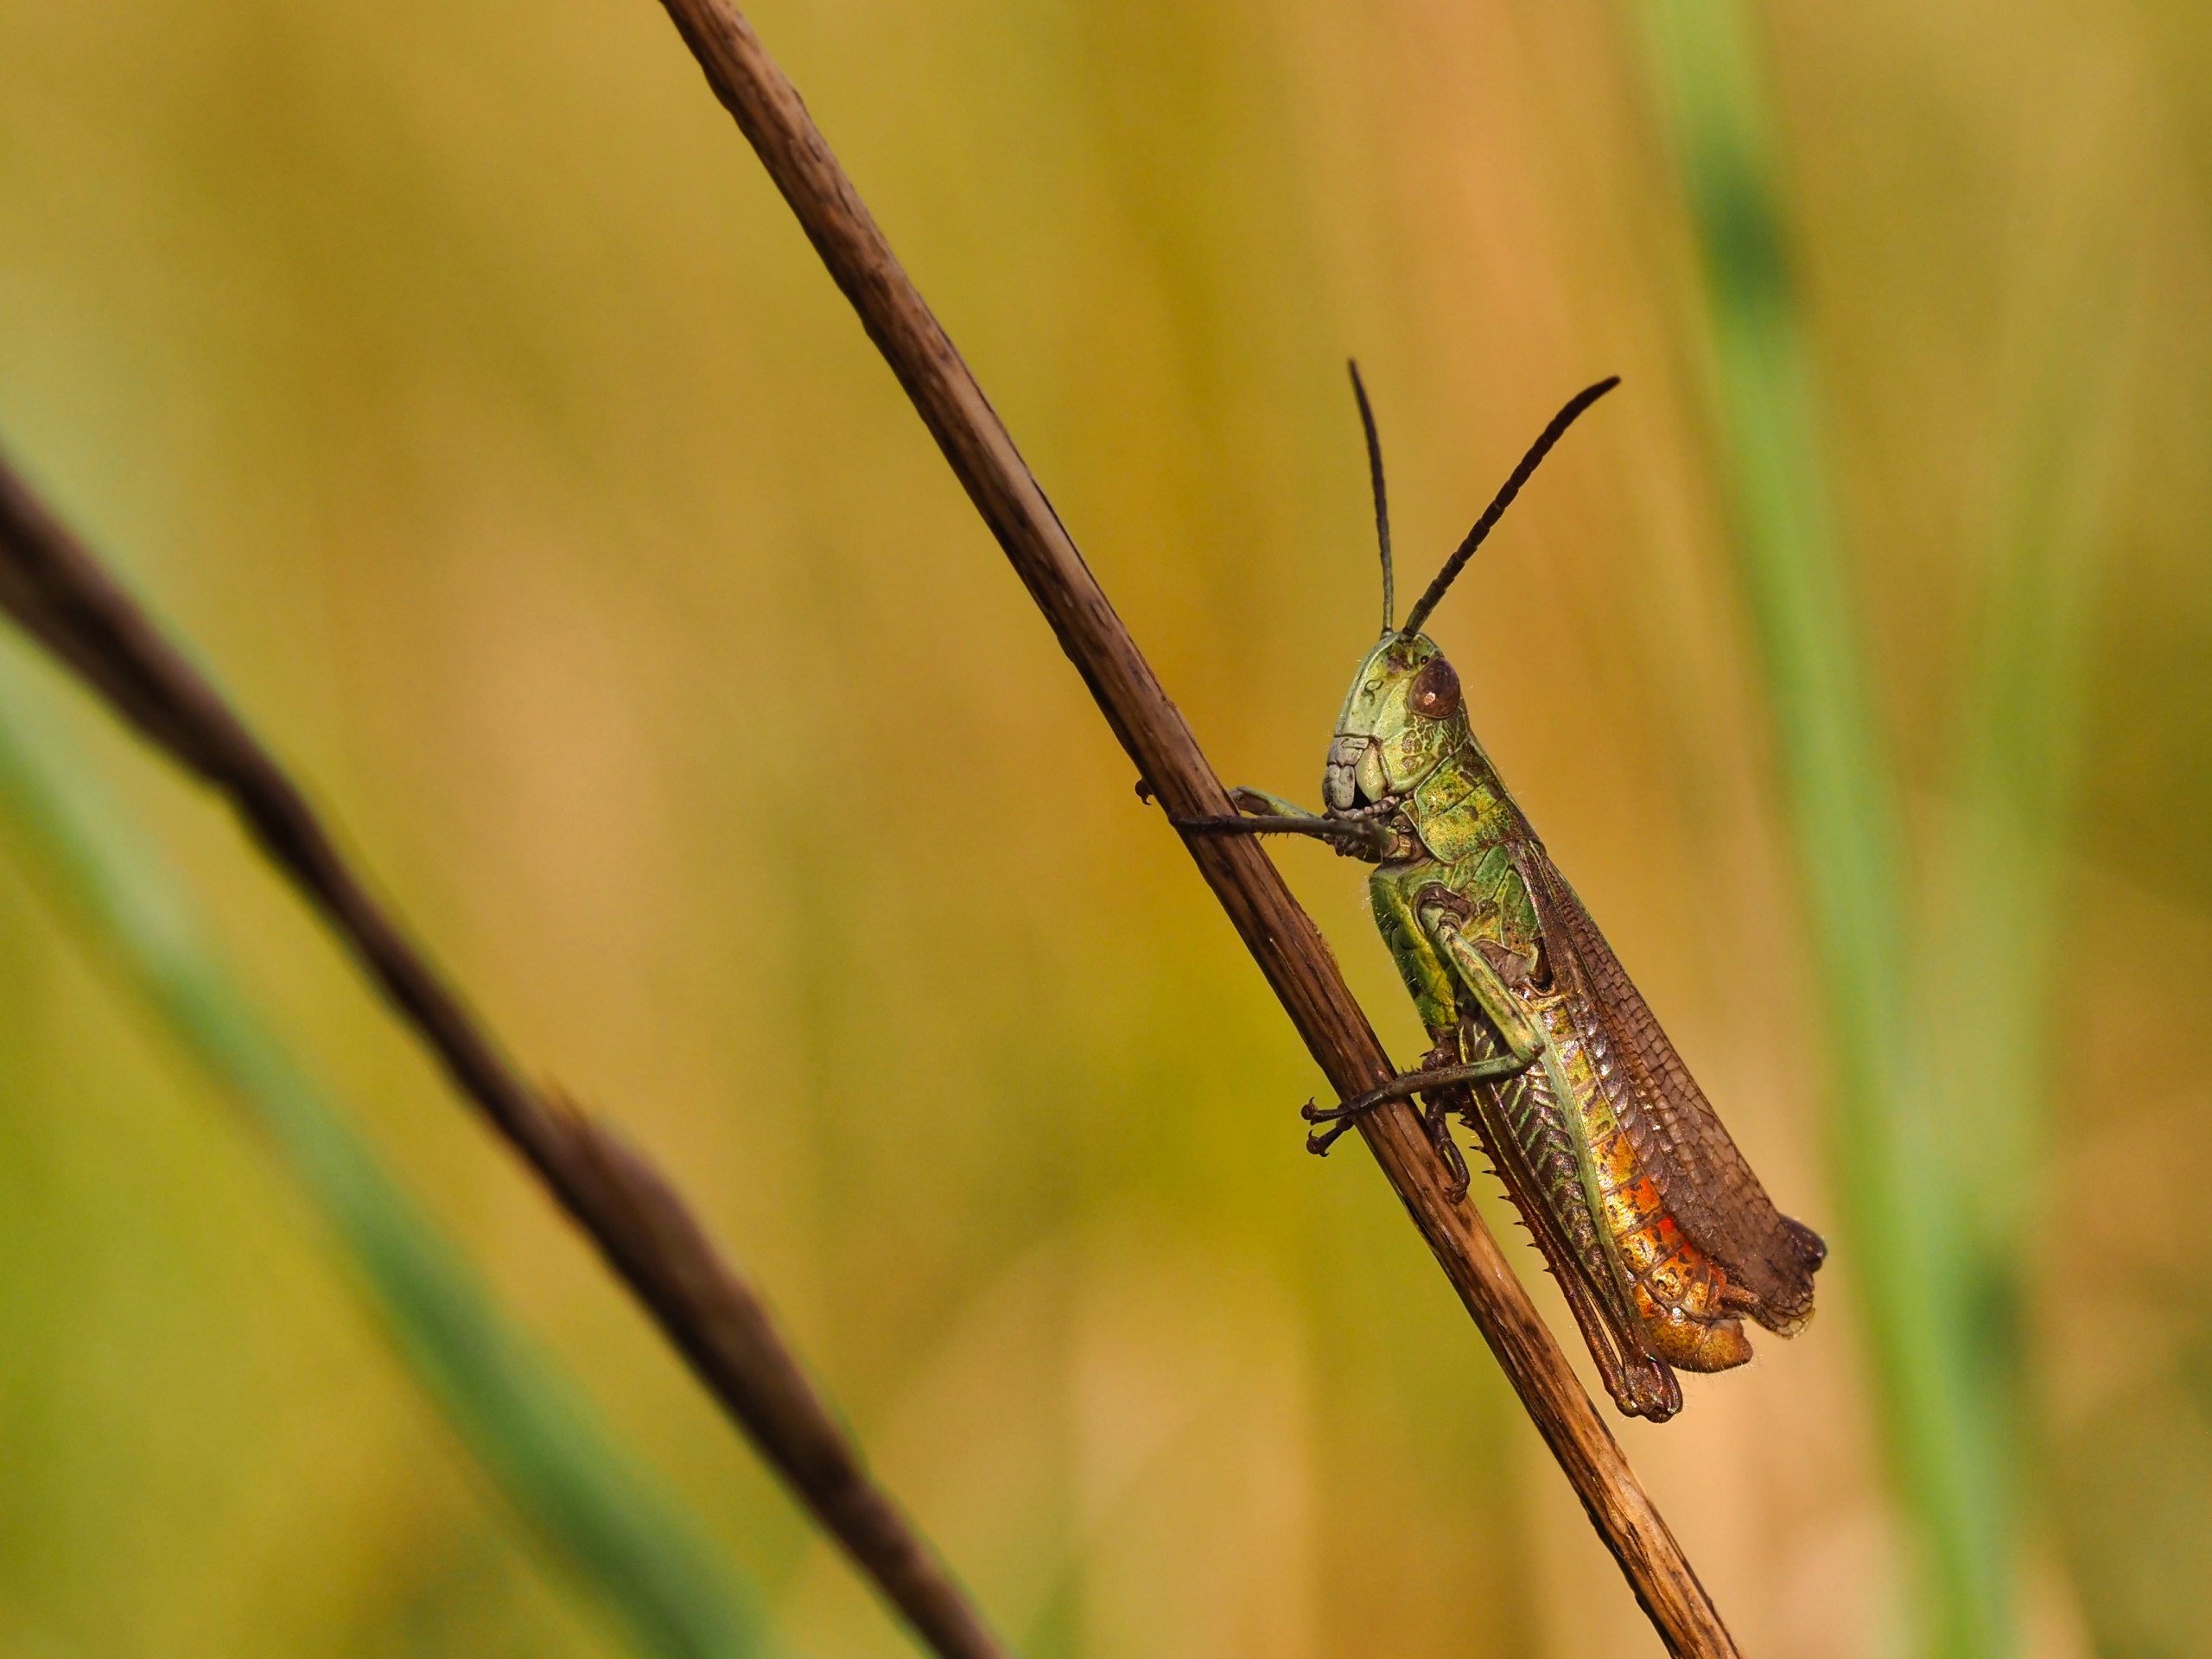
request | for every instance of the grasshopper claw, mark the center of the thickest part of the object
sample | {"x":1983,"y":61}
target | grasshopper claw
{"x":1320,"y":1140}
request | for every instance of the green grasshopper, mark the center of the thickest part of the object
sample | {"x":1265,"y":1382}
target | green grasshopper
{"x":1647,"y":1215}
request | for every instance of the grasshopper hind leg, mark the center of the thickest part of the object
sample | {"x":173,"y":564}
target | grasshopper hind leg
{"x":1641,"y":1385}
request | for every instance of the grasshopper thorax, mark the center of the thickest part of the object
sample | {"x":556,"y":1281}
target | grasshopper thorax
{"x":1403,"y":715}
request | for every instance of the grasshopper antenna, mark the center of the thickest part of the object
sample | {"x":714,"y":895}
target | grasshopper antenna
{"x":1542,"y":447}
{"x":1381,"y":501}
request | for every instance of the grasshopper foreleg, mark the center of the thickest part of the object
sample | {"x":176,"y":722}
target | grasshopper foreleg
{"x":1357,"y":835}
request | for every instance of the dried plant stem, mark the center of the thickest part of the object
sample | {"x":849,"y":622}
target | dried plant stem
{"x":510,"y":1405}
{"x":62,"y":595}
{"x":1283,"y":940}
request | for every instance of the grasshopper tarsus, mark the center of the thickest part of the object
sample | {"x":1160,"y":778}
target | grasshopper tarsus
{"x":1437,"y":1124}
{"x":1320,"y":1140}
{"x":1457,"y":1180}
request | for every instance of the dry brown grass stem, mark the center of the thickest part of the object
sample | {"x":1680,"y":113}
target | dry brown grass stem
{"x":1283,"y":940}
{"x":55,"y":588}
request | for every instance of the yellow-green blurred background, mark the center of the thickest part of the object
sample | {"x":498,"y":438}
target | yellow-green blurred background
{"x":452,"y":377}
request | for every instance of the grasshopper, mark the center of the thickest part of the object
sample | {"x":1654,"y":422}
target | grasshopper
{"x":1647,"y":1216}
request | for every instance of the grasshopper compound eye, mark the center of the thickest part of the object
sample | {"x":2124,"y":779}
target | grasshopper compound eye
{"x":1436,"y":690}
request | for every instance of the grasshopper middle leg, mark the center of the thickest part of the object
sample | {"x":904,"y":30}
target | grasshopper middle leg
{"x":1407,"y":1085}
{"x":1523,"y":1045}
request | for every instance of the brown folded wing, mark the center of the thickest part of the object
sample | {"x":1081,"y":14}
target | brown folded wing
{"x":1708,"y":1188}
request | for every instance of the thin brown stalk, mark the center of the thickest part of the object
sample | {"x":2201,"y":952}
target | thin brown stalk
{"x":1282,"y":939}
{"x":55,"y":588}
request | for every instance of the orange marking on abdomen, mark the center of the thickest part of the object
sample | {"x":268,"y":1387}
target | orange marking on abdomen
{"x":1675,"y":1286}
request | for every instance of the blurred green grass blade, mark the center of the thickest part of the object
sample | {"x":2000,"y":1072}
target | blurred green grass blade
{"x":1989,"y":966}
{"x":605,"y":1518}
{"x":2071,"y":348}
{"x":1949,"y":1442}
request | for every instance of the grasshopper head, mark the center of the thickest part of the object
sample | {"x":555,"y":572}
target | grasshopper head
{"x":1401,"y":715}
